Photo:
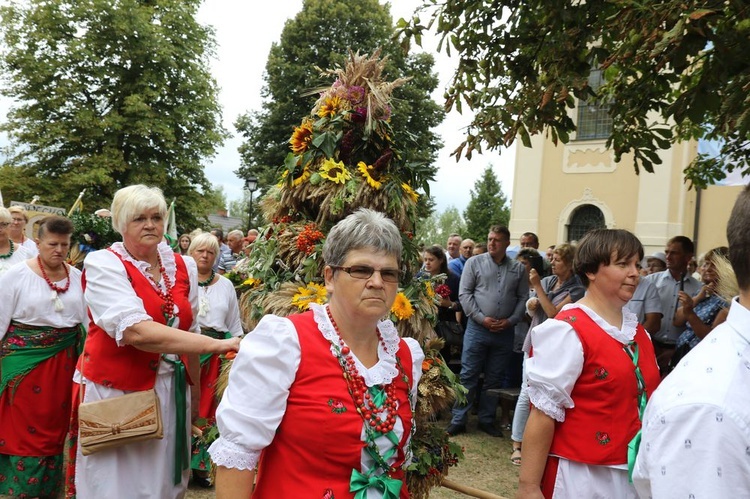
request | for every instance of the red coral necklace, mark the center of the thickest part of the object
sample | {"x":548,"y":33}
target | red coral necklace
{"x":168,"y":307}
{"x":363,"y":400}
{"x":51,"y":284}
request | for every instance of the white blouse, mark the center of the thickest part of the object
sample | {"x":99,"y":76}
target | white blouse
{"x":111,"y":299}
{"x":218,"y":308}
{"x":20,"y":253}
{"x":28,"y":299}
{"x":266,"y":366}
{"x":557,"y":362}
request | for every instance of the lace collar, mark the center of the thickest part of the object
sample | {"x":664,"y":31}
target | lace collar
{"x":386,"y":369}
{"x":629,"y":323}
{"x":165,"y":252}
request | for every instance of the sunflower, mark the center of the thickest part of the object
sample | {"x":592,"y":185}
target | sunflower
{"x":365,"y":170}
{"x":428,"y":290}
{"x":330,"y":107}
{"x":312,"y":293}
{"x":410,"y":192}
{"x":302,"y":176}
{"x":251,"y":281}
{"x":335,"y":171}
{"x":301,"y":137}
{"x":402,"y":308}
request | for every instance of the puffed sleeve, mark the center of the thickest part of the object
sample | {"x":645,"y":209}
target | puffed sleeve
{"x":113,"y":304}
{"x":9,"y":302}
{"x":554,"y":367}
{"x":234,"y":323}
{"x":254,"y":402}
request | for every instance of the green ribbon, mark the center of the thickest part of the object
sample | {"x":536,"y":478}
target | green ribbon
{"x":632,"y":350}
{"x":360,"y":483}
{"x":18,"y":361}
{"x":217,"y":335}
{"x":181,"y":451}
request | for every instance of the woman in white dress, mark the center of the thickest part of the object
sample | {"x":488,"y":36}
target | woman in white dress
{"x":41,"y":327}
{"x":143,"y":300}
{"x":10,"y":252}
{"x":218,"y":317}
{"x":322,"y":402}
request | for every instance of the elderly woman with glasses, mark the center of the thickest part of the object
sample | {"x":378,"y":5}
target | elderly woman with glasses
{"x":10,"y":253}
{"x":17,"y":229}
{"x":322,"y":402}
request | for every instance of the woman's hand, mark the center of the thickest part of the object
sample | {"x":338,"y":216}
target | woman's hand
{"x":228,"y":345}
{"x":446,"y":303}
{"x":533,"y":303}
{"x":534,"y":279}
{"x":686,"y":302}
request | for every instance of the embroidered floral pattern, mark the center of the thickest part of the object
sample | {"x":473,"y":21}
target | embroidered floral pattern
{"x":328,"y":494}
{"x":601,"y":373}
{"x":337,"y":407}
{"x":602,"y":437}
{"x":571,"y":318}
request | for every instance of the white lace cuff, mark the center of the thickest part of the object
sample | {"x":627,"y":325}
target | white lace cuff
{"x":386,"y":369}
{"x":225,"y":453}
{"x":127,"y":322}
{"x":545,"y":404}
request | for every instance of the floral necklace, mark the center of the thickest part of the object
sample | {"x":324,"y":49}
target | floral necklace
{"x":9,"y":253}
{"x":54,"y":297}
{"x":168,"y":308}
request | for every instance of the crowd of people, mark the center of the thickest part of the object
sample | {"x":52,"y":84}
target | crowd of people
{"x":632,"y":368}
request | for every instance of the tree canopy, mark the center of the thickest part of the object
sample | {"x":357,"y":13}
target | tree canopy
{"x":673,"y":70}
{"x":488,"y":206}
{"x":321,"y":35}
{"x":109,"y":94}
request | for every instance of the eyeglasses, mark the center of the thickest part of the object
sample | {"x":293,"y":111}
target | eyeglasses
{"x":365,"y":272}
{"x":4,"y":224}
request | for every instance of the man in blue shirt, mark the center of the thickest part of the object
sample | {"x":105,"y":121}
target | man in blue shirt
{"x":493,"y":293}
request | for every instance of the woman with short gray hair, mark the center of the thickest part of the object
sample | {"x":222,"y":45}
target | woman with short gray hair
{"x":333,"y":389}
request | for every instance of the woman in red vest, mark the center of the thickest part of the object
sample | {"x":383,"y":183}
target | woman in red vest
{"x":590,"y":373}
{"x":142,"y":299}
{"x":41,"y":329}
{"x":321,"y":403}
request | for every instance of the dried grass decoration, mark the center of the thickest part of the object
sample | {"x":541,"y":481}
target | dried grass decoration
{"x":342,"y":157}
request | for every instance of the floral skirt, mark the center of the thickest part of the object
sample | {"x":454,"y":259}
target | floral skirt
{"x":31,"y":476}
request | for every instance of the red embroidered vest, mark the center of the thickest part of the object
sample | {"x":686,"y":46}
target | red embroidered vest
{"x":318,"y":442}
{"x":126,"y":367}
{"x":605,"y":417}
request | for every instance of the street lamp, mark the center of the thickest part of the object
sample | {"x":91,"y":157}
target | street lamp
{"x":251,"y":184}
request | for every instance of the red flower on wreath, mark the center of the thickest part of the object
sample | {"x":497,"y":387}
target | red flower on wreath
{"x":443,"y":290}
{"x":308,"y":238}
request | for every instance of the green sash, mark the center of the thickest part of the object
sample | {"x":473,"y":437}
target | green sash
{"x":217,"y":335}
{"x":25,"y":347}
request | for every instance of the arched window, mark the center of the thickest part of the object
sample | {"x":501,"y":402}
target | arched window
{"x":583,"y":219}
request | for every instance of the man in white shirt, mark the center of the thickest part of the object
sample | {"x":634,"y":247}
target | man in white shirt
{"x":696,"y":427}
{"x":669,"y":283}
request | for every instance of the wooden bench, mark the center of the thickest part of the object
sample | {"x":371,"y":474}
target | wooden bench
{"x":510,"y":394}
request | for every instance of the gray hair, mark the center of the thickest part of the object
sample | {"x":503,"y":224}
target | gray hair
{"x":133,"y":200}
{"x":204,"y":240}
{"x":235,"y":233}
{"x":364,"y":228}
